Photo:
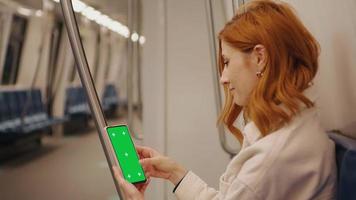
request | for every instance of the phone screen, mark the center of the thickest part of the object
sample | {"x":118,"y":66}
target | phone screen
{"x":126,"y":153}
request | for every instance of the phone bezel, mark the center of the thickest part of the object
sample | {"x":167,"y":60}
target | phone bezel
{"x":113,"y":154}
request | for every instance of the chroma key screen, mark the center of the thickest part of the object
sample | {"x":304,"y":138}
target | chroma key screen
{"x":126,"y":153}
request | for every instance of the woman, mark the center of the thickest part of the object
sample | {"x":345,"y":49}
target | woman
{"x":268,"y":60}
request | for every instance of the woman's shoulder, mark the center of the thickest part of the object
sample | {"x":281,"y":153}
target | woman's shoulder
{"x":304,"y":135}
{"x":299,"y":152}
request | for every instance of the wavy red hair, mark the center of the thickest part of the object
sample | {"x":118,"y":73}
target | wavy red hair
{"x":292,"y":63}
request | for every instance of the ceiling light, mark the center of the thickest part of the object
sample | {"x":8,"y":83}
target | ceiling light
{"x":39,"y":13}
{"x":142,"y":40}
{"x":24,"y":11}
{"x":134,"y":37}
{"x":102,"y":19}
{"x":78,"y":6}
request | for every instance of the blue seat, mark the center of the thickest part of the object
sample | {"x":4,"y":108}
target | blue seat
{"x":3,"y":112}
{"x":110,"y":98}
{"x":23,"y":112}
{"x":76,"y":103}
{"x":42,"y":118}
{"x":346,"y":163}
{"x":10,"y":117}
{"x":13,"y":113}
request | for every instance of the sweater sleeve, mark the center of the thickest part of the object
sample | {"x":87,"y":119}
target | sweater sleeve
{"x":193,"y":188}
{"x":175,"y":187}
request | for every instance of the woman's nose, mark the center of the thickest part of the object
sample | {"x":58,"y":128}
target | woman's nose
{"x":223,"y":78}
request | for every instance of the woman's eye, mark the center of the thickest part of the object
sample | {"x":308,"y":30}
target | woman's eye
{"x":226,"y":63}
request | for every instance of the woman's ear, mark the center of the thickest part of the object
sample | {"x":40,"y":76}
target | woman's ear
{"x":260,"y":57}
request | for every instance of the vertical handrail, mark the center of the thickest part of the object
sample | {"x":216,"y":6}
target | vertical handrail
{"x":218,"y":103}
{"x":139,"y":82}
{"x":240,"y":3}
{"x":51,"y":68}
{"x":138,"y":57}
{"x":130,"y":66}
{"x":86,"y":79}
{"x":234,"y":7}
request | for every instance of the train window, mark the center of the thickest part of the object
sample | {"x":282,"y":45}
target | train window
{"x":14,"y":49}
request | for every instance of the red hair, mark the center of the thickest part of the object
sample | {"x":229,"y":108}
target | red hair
{"x":292,"y":63}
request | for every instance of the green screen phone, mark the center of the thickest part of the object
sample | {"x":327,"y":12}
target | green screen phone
{"x":126,"y":154}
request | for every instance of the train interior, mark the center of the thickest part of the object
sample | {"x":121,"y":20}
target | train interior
{"x":153,"y":64}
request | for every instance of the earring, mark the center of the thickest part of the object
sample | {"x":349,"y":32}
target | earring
{"x":259,"y":74}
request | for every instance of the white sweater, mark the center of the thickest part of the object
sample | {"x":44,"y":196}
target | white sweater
{"x":296,"y":162}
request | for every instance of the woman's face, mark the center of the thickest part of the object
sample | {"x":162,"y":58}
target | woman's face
{"x":239,"y":72}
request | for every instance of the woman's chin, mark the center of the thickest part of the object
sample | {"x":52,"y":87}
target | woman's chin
{"x":238,"y":101}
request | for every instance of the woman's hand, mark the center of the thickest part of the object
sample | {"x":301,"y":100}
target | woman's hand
{"x":159,"y":166}
{"x":130,"y":191}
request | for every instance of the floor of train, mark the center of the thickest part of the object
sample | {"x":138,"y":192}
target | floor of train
{"x":69,"y":167}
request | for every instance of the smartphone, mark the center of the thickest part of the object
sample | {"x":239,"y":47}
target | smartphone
{"x":125,"y":153}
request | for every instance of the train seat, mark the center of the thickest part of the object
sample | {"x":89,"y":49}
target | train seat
{"x":110,"y":98}
{"x":23,"y":112}
{"x":346,"y":163}
{"x":76,"y":103}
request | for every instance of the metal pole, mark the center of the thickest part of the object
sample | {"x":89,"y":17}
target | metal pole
{"x":132,"y":63}
{"x":51,"y":67}
{"x":233,"y":7}
{"x":129,"y":63}
{"x":240,"y":3}
{"x":138,"y":46}
{"x":86,"y":79}
{"x":218,"y":103}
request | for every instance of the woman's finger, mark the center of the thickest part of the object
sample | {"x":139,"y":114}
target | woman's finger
{"x":129,"y":190}
{"x":163,"y":175}
{"x":156,"y":161}
{"x":119,"y":177}
{"x":143,"y":185}
{"x":117,"y":172}
{"x":151,"y":172}
{"x":150,"y":165}
{"x":143,"y":188}
{"x":120,"y":180}
{"x":145,"y":152}
{"x":157,"y":167}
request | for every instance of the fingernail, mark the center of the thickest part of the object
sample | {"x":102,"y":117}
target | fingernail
{"x":115,"y":170}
